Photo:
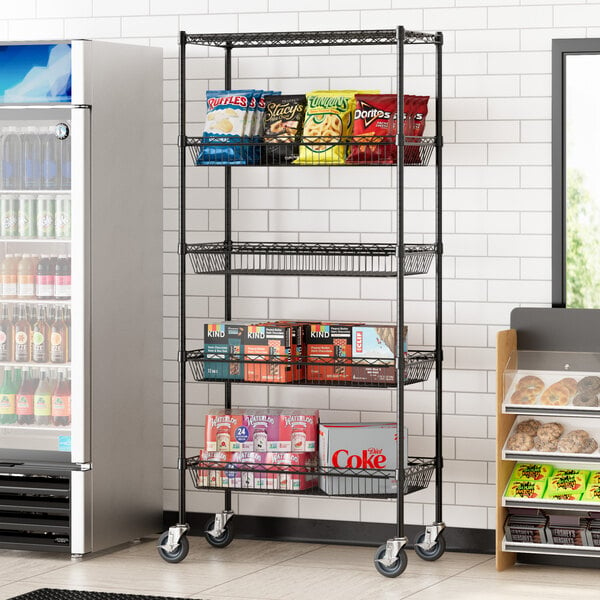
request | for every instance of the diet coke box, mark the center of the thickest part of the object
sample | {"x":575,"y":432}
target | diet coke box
{"x":298,"y":431}
{"x":224,"y":432}
{"x":369,"y":446}
{"x":263,"y":431}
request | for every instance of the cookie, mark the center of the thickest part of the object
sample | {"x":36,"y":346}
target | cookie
{"x":570,"y":445}
{"x":531,"y":383}
{"x":569,"y":383}
{"x":590,"y":445}
{"x":586,"y":400}
{"x":556,"y":395}
{"x":523,"y":397}
{"x":529,"y":427}
{"x":589,"y":384}
{"x":578,"y":434}
{"x":545,"y":445}
{"x":550,"y":431}
{"x":520,"y":442}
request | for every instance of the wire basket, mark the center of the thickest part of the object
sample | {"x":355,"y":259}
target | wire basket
{"x":306,"y":258}
{"x":236,"y":475}
{"x":350,"y":151}
{"x":304,"y":370}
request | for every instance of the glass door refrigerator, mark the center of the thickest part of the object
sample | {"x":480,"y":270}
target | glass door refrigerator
{"x":80,"y":294}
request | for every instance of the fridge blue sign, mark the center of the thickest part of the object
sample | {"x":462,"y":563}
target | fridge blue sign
{"x":35,"y":73}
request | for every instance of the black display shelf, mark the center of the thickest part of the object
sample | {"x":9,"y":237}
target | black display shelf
{"x":348,"y":482}
{"x":253,"y":153}
{"x":308,"y":258}
{"x":417,"y":368}
{"x":299,"y":39}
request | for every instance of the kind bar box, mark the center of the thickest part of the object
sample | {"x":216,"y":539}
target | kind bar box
{"x":223,"y":341}
{"x":224,"y":432}
{"x":271,"y":342}
{"x":263,"y":431}
{"x":371,"y":342}
{"x":359,"y":446}
{"x":296,"y":346}
{"x":298,"y":431}
{"x":326,"y":344}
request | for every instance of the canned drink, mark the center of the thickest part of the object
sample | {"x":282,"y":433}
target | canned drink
{"x":45,"y":216}
{"x":27,"y":216}
{"x":62,"y":218}
{"x":9,"y":210}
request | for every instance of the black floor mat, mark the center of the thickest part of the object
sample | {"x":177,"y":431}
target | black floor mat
{"x":50,"y":594}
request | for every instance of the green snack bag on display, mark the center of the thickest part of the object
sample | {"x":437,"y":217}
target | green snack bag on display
{"x":592,"y":493}
{"x":525,"y":489}
{"x":568,"y":480}
{"x":531,"y":472}
{"x":571,"y":496}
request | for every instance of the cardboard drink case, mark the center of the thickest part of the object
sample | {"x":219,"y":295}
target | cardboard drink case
{"x":224,"y":432}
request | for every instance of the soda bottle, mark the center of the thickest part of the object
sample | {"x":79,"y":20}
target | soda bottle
{"x":8,"y":276}
{"x":40,"y":336}
{"x":9,"y":213}
{"x":62,"y":277}
{"x":62,"y":218}
{"x":43,"y":287}
{"x":25,"y":398}
{"x":10,"y":151}
{"x":42,"y":400}
{"x":45,"y":216}
{"x":7,"y":399}
{"x":50,"y":159}
{"x":6,"y":336}
{"x":52,"y":274}
{"x":26,"y":277}
{"x":26,"y":216}
{"x":22,"y":335}
{"x":32,"y":159}
{"x":59,"y":336}
{"x":61,"y":401}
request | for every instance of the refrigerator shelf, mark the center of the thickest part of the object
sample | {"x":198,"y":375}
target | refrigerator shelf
{"x":66,"y":365}
{"x":34,"y":301}
{"x":309,"y":258}
{"x":52,"y":428}
{"x":267,"y":478}
{"x":36,"y":240}
{"x":326,"y":371}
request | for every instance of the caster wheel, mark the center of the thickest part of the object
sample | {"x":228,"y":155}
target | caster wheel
{"x":433,"y":553}
{"x":178,"y":554}
{"x":396,"y":569}
{"x":222,"y":540}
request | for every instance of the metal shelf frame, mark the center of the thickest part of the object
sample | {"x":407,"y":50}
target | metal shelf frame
{"x":228,"y":257}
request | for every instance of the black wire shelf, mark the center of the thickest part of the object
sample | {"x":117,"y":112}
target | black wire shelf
{"x":232,"y":367}
{"x":279,"y":39}
{"x":280,"y":479}
{"x":307,"y":258}
{"x":351,"y":151}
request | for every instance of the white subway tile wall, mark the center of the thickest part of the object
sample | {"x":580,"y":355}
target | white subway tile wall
{"x":497,"y":65}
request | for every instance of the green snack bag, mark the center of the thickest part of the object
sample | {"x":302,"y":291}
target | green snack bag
{"x":592,"y":493}
{"x":562,"y":495}
{"x":594,"y":478}
{"x":531,"y":472}
{"x":525,"y":489}
{"x":568,"y":480}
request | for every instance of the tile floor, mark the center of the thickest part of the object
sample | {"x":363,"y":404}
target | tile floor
{"x":252,"y":570}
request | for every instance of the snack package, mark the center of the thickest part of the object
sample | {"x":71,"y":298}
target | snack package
{"x":531,"y":472}
{"x":592,"y":493}
{"x":594,"y":478}
{"x":256,"y":128}
{"x":327,"y":123}
{"x":550,"y":495}
{"x":567,"y":481}
{"x":374,"y":130}
{"x":525,"y":489}
{"x":225,"y":128}
{"x":283,"y":121}
{"x":415,"y":110}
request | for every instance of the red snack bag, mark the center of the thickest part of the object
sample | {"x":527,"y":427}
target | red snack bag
{"x":373,"y":139}
{"x":416,"y":113}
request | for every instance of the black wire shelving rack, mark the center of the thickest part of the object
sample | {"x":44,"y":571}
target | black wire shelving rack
{"x":395,"y":260}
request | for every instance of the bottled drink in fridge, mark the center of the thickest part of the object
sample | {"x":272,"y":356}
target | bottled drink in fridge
{"x":22,"y":351}
{"x":26,"y":216}
{"x":26,"y":277}
{"x":8,"y":276}
{"x":62,"y":277}
{"x":42,"y":400}
{"x":59,"y":336}
{"x":8,"y":394}
{"x":40,"y":336}
{"x":6,"y":336}
{"x":9,"y":213}
{"x":44,"y":284}
{"x":45,"y":214}
{"x":61,"y":401}
{"x":25,"y":398}
{"x":62,"y":219}
{"x":11,"y":159}
{"x":32,"y":159}
{"x":50,"y":160}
